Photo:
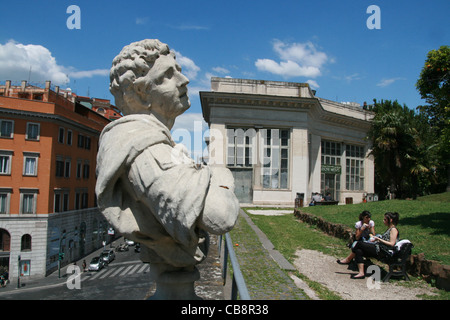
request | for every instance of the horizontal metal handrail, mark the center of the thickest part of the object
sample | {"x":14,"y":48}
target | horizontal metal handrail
{"x":238,"y":282}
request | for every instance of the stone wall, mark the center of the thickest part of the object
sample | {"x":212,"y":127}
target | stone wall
{"x":432,"y":271}
{"x":76,"y":233}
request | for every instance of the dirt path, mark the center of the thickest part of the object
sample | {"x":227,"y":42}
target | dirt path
{"x":323,"y":269}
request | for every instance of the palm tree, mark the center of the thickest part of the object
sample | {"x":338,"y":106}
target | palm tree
{"x":400,"y":160}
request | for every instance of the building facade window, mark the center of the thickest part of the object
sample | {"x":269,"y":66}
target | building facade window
{"x":65,"y":203}
{"x":67,"y":166}
{"x":5,"y":240}
{"x":84,"y":142}
{"x":86,"y":169}
{"x":57,"y":202}
{"x":84,"y":200}
{"x":30,"y":163}
{"x":5,"y":198}
{"x":77,"y":199}
{"x":28,"y":200}
{"x":59,"y":166}
{"x":61,"y":200}
{"x":354,"y":165}
{"x":61,"y":135}
{"x":6,"y":128}
{"x":25,"y":243}
{"x":273,"y":146}
{"x":79,"y":168}
{"x":39,"y":97}
{"x":5,"y":162}
{"x":28,"y":203}
{"x":69,"y":137}
{"x":87,"y":143}
{"x":81,"y":198}
{"x":331,"y":155}
{"x":275,"y":167}
{"x":80,"y":142}
{"x":33,"y":131}
{"x":240,"y":147}
{"x":3,"y":203}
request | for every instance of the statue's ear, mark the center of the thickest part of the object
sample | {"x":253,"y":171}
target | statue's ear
{"x":141,"y":86}
{"x":133,"y":99}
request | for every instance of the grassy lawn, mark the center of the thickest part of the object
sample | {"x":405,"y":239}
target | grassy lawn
{"x":425,"y":221}
{"x":257,"y":268}
{"x":288,"y":234}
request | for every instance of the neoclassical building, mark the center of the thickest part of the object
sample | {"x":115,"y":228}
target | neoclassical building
{"x":282,"y":142}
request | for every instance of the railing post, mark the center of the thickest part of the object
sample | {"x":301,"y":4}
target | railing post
{"x":234,"y":289}
{"x":225,"y":264}
{"x":238,"y":282}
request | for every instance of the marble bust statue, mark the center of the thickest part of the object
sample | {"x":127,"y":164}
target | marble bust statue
{"x":147,"y":187}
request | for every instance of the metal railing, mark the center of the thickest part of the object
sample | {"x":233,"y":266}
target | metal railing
{"x":238,"y":282}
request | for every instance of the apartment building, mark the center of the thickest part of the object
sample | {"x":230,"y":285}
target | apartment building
{"x":48,"y":150}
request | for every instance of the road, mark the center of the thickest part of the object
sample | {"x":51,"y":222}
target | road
{"x":125,"y":278}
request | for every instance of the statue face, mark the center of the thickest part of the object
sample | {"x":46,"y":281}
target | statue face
{"x":168,"y":89}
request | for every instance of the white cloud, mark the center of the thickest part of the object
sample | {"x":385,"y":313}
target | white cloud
{"x":35,"y":62}
{"x":287,"y":68}
{"x":354,"y":76}
{"x":221,"y":70}
{"x":194,"y":91}
{"x":303,"y":53}
{"x":185,"y":27}
{"x":189,"y":129}
{"x":16,"y":61}
{"x":386,"y":82}
{"x":313,"y":84}
{"x":190,"y":121}
{"x":141,"y":21}
{"x":89,"y":74}
{"x":190,"y":69}
{"x":297,"y":59}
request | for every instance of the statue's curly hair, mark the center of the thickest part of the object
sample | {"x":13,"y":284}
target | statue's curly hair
{"x":129,"y":68}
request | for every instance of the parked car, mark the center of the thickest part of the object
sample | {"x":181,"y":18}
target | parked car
{"x":96,"y":264}
{"x":122,"y":247}
{"x":129,"y":242}
{"x":108,"y":256}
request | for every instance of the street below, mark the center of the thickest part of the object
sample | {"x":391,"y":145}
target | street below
{"x":124,"y":278}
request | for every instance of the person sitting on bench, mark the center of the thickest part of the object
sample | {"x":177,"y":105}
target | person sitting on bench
{"x":364,"y":227}
{"x":366,"y":249}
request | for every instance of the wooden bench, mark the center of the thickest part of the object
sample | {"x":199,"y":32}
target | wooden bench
{"x":326,"y":202}
{"x":398,"y":259}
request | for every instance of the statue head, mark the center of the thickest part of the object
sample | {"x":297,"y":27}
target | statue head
{"x":145,"y":78}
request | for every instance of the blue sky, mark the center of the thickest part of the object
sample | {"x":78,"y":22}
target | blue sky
{"x":325,"y":42}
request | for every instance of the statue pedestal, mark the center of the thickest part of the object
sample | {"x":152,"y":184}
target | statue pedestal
{"x":174,"y":283}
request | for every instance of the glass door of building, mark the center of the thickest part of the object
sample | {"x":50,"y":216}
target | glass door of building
{"x":331,"y":185}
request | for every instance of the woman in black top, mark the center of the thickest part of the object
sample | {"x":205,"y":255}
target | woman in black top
{"x":388,"y":239}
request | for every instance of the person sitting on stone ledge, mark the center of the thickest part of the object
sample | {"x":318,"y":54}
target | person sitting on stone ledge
{"x":317,"y":197}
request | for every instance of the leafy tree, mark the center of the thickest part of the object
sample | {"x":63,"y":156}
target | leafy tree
{"x":402,"y":150}
{"x":434,"y":86}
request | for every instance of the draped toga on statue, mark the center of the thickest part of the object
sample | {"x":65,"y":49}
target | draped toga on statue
{"x":151,"y":192}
